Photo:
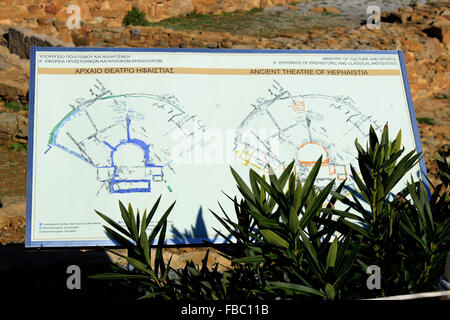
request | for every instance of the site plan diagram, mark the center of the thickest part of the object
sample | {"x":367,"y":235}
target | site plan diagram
{"x":125,"y":137}
{"x":133,"y":124}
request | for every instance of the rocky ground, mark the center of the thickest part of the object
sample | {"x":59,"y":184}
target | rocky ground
{"x":294,"y":17}
{"x":421,"y":31}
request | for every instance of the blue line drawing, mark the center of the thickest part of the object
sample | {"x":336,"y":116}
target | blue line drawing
{"x":132,"y":185}
{"x":49,"y":147}
{"x":127,"y":138}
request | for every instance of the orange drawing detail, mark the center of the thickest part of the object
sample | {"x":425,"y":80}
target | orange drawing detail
{"x":308,"y":145}
{"x":345,"y":175}
{"x":317,"y":149}
{"x":299,"y":107}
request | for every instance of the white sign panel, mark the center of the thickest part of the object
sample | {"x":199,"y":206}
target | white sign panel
{"x":133,"y":124}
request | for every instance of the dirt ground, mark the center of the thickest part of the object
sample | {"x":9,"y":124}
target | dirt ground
{"x":298,"y":17}
{"x":13,"y":172}
{"x":13,"y":184}
{"x":12,"y":229}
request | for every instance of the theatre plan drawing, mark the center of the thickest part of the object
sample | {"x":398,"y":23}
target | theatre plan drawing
{"x":128,"y":138}
{"x":299,"y":126}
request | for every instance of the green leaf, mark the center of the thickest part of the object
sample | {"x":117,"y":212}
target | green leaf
{"x":357,"y":228}
{"x":359,"y":148}
{"x":317,"y":204}
{"x":125,"y":217}
{"x":274,"y":238}
{"x":309,"y":182}
{"x":263,"y":221}
{"x":150,"y":295}
{"x":160,"y":223}
{"x":331,"y":257}
{"x":159,"y":260}
{"x":412,"y":234}
{"x":391,"y":162}
{"x":152,"y":212}
{"x":348,"y":262}
{"x":118,"y":237}
{"x":224,"y":283}
{"x":329,"y":290}
{"x":294,"y":210}
{"x":277,"y":196}
{"x":256,"y":190}
{"x":385,"y":136}
{"x":396,"y":144}
{"x":138,"y":221}
{"x":166,"y":272}
{"x":256,"y":259}
{"x":373,"y":139}
{"x":117,"y":276}
{"x":204,"y":267}
{"x":293,"y":220}
{"x":313,"y":233}
{"x":136,"y":263}
{"x":133,"y":224}
{"x":312,"y":252}
{"x":402,"y":167}
{"x":146,"y":248}
{"x":341,"y":213}
{"x":226,"y":225}
{"x":274,"y":180}
{"x":286,"y":173}
{"x":114,"y":224}
{"x":333,"y":199}
{"x":246,"y":192}
{"x":296,"y":288}
{"x":361,"y":185}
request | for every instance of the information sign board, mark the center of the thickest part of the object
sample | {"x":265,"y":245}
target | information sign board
{"x":110,"y":124}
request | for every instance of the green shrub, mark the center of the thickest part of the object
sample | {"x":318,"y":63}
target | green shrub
{"x":18,"y":147}
{"x":135,"y":17}
{"x":292,"y":252}
{"x":15,"y":106}
{"x":152,"y":278}
{"x":408,"y":235}
{"x":425,"y":120}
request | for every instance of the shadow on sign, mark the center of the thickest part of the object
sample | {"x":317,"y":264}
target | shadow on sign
{"x":197,"y":232}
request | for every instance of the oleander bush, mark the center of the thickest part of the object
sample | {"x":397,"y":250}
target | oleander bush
{"x":135,"y":17}
{"x":293,"y":240}
{"x":18,"y":147}
{"x":15,"y":106}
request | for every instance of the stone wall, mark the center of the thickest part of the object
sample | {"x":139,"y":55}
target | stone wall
{"x":421,"y":33}
{"x":111,"y":12}
{"x":13,"y":128}
{"x":20,"y":40}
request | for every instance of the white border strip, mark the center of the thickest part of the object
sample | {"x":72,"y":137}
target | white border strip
{"x":416,"y":296}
